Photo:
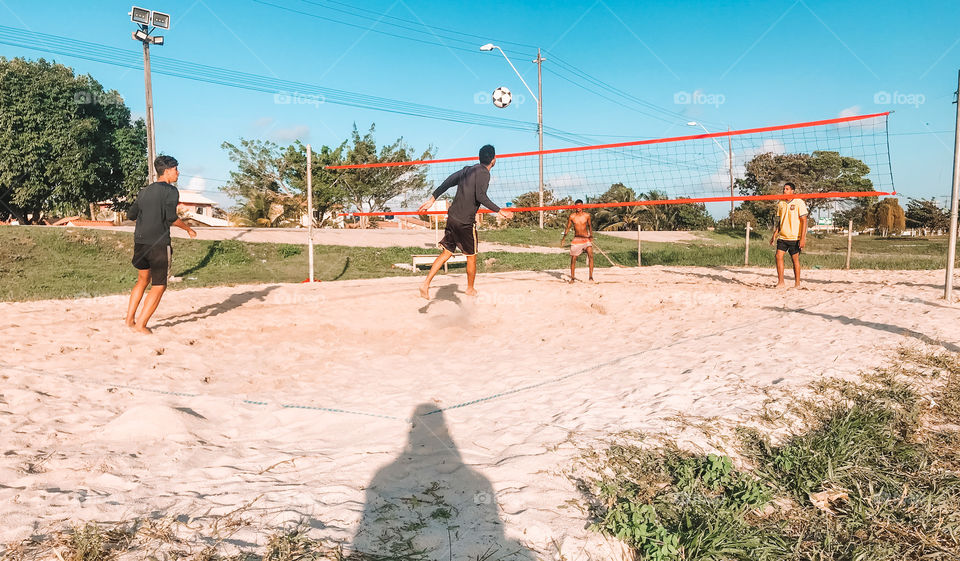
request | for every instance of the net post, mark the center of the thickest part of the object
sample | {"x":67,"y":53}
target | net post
{"x":746,"y":249}
{"x":952,"y":244}
{"x":639,"y":229}
{"x":310,"y":211}
{"x":849,"y":243}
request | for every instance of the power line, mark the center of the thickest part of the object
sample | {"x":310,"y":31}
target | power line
{"x":247,"y":81}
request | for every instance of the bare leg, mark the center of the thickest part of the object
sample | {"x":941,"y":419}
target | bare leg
{"x":573,"y":269}
{"x":149,"y":306}
{"x":437,"y":263}
{"x":590,"y":260}
{"x":471,"y":274}
{"x":143,"y":279}
{"x":780,"y":268}
{"x":796,"y":269}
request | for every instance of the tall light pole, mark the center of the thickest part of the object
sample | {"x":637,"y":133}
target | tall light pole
{"x":145,"y":19}
{"x":729,"y":152}
{"x":952,"y":243}
{"x":538,"y":61}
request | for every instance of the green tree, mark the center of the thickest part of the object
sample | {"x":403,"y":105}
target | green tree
{"x":680,"y":216}
{"x":927,"y":215}
{"x":551,"y":218}
{"x":329,"y":195}
{"x":887,"y":217}
{"x":819,"y":172}
{"x":370,"y":189}
{"x":857,"y":211}
{"x":264,"y":185}
{"x":65,"y":142}
{"x":618,"y":217}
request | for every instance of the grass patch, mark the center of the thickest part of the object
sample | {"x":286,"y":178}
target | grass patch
{"x":873,"y":476}
{"x":42,"y":262}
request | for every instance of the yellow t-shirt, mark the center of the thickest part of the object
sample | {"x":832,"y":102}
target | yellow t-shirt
{"x":788,"y":216}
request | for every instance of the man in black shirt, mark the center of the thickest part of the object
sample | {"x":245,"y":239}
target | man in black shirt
{"x":461,"y":230}
{"x":155,"y":210}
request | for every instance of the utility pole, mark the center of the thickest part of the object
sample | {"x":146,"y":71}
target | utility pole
{"x":730,"y":165}
{"x":310,"y":211}
{"x":151,"y":139}
{"x":952,"y":244}
{"x":539,"y":62}
{"x":145,"y":19}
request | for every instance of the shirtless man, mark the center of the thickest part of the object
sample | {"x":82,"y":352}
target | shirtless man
{"x":582,"y":239}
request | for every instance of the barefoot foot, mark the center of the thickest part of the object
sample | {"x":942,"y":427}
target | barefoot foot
{"x":471,"y":292}
{"x":143,"y":329}
{"x":425,"y":292}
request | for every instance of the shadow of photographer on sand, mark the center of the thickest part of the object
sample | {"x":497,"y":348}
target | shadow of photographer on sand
{"x":428,"y":504}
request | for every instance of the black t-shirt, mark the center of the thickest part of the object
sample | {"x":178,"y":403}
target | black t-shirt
{"x":472,"y":182}
{"x":155,"y":210}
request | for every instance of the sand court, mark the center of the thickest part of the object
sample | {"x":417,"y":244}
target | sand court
{"x":326,"y":402}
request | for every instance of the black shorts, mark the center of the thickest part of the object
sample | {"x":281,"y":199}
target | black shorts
{"x":791,"y":247}
{"x":463,"y":236}
{"x":155,"y":258}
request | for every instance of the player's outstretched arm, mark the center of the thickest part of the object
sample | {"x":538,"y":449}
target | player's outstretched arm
{"x":566,"y":230}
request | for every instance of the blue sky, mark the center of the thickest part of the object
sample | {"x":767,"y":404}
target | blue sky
{"x":771,"y":62}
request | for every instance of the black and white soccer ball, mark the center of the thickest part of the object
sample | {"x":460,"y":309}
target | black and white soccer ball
{"x":502,"y":97}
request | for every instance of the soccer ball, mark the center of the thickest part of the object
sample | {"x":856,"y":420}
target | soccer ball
{"x":502,"y":97}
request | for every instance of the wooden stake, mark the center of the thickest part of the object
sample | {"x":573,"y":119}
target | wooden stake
{"x":638,"y":245}
{"x":746,"y":251}
{"x":849,"y":244}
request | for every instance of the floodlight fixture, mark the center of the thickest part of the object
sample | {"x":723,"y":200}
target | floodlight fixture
{"x":157,"y":40}
{"x":140,"y":35}
{"x":161,"y":20}
{"x":140,"y":16}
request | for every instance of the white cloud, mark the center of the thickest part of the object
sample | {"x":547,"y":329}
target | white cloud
{"x":197,"y":184}
{"x":263,"y":122}
{"x":299,"y":132}
{"x":850,"y":111}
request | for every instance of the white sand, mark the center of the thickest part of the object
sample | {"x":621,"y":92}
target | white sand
{"x":98,"y":423}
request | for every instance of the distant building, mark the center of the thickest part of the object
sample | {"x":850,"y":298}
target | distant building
{"x":195,"y":203}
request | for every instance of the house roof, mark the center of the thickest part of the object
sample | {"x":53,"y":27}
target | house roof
{"x":195,"y":198}
{"x":206,"y":220}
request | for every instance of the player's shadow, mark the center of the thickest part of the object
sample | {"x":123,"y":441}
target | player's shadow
{"x":846,"y":320}
{"x":428,"y":504}
{"x":210,"y":310}
{"x":447,"y":292}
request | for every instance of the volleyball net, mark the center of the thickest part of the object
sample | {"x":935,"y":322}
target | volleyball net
{"x":836,"y":158}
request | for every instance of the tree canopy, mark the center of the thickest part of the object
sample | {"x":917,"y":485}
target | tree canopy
{"x":268,"y":174}
{"x":819,"y":172}
{"x":65,"y":142}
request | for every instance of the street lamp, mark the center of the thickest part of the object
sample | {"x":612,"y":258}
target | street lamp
{"x":538,"y":61}
{"x":729,"y":152}
{"x":144,"y":19}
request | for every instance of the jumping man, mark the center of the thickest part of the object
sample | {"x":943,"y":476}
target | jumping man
{"x":790,"y":233}
{"x":582,"y":239}
{"x":461,"y":230}
{"x":155,"y":210}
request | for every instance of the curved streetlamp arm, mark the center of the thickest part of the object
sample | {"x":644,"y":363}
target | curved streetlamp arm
{"x":518,"y":74}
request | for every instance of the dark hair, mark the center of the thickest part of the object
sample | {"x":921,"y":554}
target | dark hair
{"x":487,"y":154}
{"x":790,"y":185}
{"x":163,"y":163}
{"x":578,"y":202}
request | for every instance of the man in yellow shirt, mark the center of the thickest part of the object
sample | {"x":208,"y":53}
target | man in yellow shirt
{"x":790,"y":232}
